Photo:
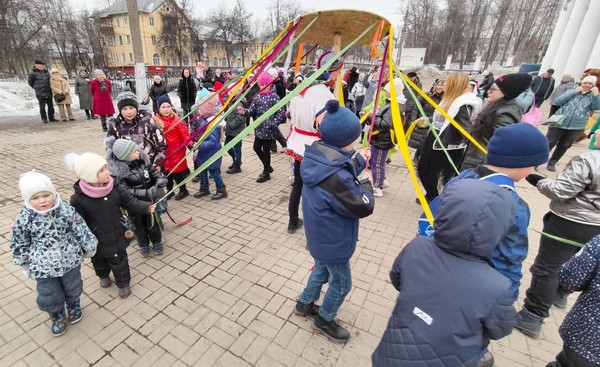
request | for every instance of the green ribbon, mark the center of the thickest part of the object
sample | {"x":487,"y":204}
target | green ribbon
{"x":559,"y":239}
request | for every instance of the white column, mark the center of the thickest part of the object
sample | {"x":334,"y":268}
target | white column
{"x":557,"y":35}
{"x":568,"y":39}
{"x":594,"y":61}
{"x":586,"y":38}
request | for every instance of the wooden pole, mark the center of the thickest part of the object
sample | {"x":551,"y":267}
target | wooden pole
{"x":138,"y":51}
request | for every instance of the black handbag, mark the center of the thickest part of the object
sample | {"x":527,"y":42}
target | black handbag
{"x":59,"y":98}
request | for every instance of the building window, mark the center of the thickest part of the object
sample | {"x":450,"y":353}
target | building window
{"x":216,"y":61}
{"x":130,"y":57}
{"x":186,"y":60}
{"x":207,"y":60}
{"x":110,"y":41}
{"x":128,"y":39}
{"x":153,"y":39}
{"x":224,"y":61}
{"x":239,"y":62}
{"x":120,"y":40}
{"x":151,"y":21}
{"x":123,"y":57}
{"x":168,"y":61}
{"x":126,"y":21}
{"x":118,"y":22}
{"x":156,"y":59}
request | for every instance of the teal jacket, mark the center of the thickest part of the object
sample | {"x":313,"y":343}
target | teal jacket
{"x":576,"y":108}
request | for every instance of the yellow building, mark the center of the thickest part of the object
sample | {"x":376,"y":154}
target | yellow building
{"x":113,"y":22}
{"x":114,"y":26}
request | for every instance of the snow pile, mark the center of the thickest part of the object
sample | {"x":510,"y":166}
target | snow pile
{"x":428,"y":72}
{"x":17,"y":99}
{"x":497,"y":71}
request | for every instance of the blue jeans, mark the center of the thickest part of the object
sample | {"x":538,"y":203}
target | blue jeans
{"x":53,"y":293}
{"x":235,"y":152}
{"x":339,"y":278}
{"x":216,"y":175}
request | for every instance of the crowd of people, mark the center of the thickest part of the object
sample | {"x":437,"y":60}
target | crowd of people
{"x":458,"y":280}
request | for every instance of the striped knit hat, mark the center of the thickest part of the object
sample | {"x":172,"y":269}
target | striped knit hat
{"x":123,"y":149}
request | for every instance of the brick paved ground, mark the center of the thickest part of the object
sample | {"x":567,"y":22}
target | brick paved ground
{"x":222,"y":293}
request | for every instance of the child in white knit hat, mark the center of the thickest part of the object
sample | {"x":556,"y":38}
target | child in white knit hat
{"x":98,"y":198}
{"x":49,"y":241}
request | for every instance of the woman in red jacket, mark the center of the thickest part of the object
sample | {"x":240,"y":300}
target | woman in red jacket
{"x":100,"y":89}
{"x":177,"y":137}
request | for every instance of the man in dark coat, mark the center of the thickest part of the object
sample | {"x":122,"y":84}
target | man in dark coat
{"x":352,"y":78}
{"x":451,"y":300}
{"x":39,"y":79}
{"x":543,"y":86}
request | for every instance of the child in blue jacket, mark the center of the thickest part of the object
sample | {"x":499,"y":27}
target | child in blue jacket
{"x":207,"y":148}
{"x":333,"y":200}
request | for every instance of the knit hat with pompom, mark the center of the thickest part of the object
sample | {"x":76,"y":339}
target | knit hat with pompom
{"x":340,"y":127}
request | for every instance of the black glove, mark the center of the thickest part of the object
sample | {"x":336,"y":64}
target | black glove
{"x":533,"y":179}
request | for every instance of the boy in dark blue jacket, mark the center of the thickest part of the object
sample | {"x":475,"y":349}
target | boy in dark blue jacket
{"x":451,"y":301}
{"x":333,"y":200}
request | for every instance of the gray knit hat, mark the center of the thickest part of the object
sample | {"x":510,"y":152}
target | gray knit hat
{"x":123,"y":149}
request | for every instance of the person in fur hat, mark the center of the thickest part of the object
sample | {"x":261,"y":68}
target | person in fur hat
{"x":133,"y":170}
{"x":98,"y":198}
{"x":139,"y":128}
{"x":49,"y":241}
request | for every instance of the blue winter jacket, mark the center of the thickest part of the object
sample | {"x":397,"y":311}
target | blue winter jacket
{"x":451,"y":301}
{"x":508,"y":256}
{"x":581,"y":328}
{"x":209,"y":146}
{"x":333,"y":199}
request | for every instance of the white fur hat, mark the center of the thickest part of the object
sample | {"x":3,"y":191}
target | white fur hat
{"x":33,"y":182}
{"x":397,"y":84}
{"x":86,"y":166}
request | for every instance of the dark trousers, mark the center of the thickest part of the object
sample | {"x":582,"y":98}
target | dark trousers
{"x":53,"y":293}
{"x":280,"y":139}
{"x":43,"y":102}
{"x":177,"y":178}
{"x":551,"y":256}
{"x":262,"y":148}
{"x":236,"y":152}
{"x":145,"y":230}
{"x":568,"y":358}
{"x":118,"y":264}
{"x":295,"y":194}
{"x":553,"y":109}
{"x":561,"y":139}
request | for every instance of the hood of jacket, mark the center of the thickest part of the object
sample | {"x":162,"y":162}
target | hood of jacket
{"x":325,"y":160}
{"x":473,"y":216}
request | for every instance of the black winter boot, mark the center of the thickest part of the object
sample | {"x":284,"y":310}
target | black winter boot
{"x":332,"y":330}
{"x":204,"y":191}
{"x":220,"y":194}
{"x":529,"y":323}
{"x":306,"y":309}
{"x":234,"y":169}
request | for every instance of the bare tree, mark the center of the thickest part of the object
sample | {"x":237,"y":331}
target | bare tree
{"x":177,"y":34}
{"x":21,"y":25}
{"x":280,"y":13}
{"x":242,"y":30}
{"x":221,"y":21}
